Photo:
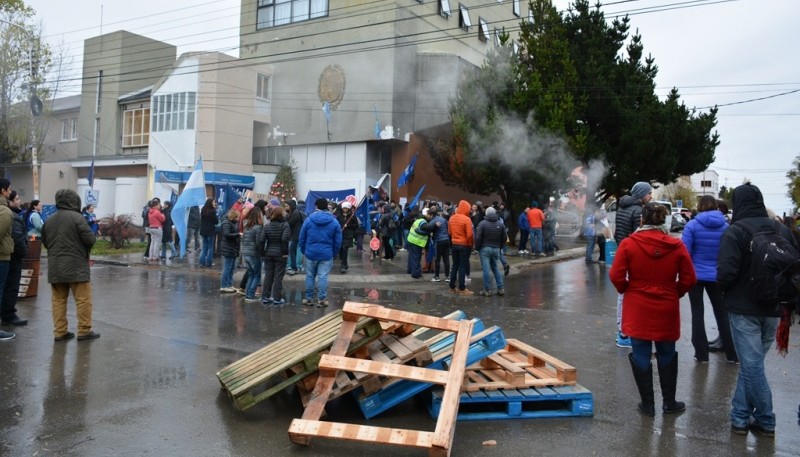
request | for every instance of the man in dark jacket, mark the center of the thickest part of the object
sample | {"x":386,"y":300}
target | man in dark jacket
{"x":349,"y":224}
{"x":295,"y":219}
{"x":68,"y":240}
{"x":629,"y":217}
{"x":753,"y":325}
{"x":8,"y":307}
{"x":6,"y":240}
{"x":490,"y":236}
{"x":320,"y":240}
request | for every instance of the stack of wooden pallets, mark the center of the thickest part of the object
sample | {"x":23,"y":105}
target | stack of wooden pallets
{"x":382,"y":357}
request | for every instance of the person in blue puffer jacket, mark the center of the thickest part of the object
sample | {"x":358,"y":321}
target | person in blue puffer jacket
{"x":320,"y":240}
{"x":702,"y":237}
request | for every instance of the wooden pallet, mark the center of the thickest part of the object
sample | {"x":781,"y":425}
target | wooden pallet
{"x":390,"y":349}
{"x":519,"y":365}
{"x":395,"y":391}
{"x":522,"y":403}
{"x":288,"y":360}
{"x":439,"y":442}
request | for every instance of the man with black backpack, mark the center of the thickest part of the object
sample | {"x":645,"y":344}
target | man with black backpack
{"x":754,"y":265}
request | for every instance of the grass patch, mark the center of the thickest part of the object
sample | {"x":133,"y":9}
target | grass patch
{"x":103,"y":247}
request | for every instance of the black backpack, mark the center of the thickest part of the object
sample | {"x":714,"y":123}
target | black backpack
{"x":774,"y":261}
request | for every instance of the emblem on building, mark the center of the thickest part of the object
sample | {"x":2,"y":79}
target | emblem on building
{"x":332,"y":83}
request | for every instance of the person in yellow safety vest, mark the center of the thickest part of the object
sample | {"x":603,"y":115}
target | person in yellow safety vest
{"x":417,"y":240}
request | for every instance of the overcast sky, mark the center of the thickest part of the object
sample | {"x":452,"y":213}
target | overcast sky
{"x":716,"y":52}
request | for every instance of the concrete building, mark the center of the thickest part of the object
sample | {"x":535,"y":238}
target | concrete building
{"x":705,"y":183}
{"x":352,"y":80}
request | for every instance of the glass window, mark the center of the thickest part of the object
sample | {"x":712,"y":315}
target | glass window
{"x":96,"y":147}
{"x":136,"y":127}
{"x":99,"y":101}
{"x":272,"y":13}
{"x":483,"y":33}
{"x":515,"y":7}
{"x":262,"y":86}
{"x":444,"y":8}
{"x":65,"y":130}
{"x":463,"y":17}
{"x":190,"y":110}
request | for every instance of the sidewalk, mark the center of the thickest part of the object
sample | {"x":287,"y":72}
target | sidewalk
{"x":362,"y":270}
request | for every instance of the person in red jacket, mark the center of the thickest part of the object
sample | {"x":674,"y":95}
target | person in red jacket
{"x":653,"y":270}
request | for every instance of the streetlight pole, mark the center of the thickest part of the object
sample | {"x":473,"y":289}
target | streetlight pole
{"x":33,"y":101}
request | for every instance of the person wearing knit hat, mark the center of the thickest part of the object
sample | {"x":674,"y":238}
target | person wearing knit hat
{"x":629,"y":217}
{"x":274,"y":202}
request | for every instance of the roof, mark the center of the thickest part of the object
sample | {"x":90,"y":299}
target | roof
{"x":73,"y":102}
{"x":140,"y":94}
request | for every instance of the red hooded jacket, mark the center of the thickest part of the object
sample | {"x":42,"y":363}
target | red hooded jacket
{"x":653,"y":270}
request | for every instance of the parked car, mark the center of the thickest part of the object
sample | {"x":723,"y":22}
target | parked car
{"x":686,"y":213}
{"x":678,"y":222}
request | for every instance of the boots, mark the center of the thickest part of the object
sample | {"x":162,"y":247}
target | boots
{"x":644,"y":381}
{"x":668,"y":375}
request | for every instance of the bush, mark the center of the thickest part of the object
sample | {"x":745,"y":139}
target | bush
{"x":119,"y":229}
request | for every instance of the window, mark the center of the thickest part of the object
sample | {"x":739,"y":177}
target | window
{"x":530,"y":15}
{"x":136,"y":127}
{"x":483,"y":33}
{"x":497,"y":40}
{"x":69,"y":129}
{"x":96,"y":148}
{"x":99,"y":99}
{"x":262,"y":86}
{"x":515,"y":7}
{"x":172,"y":112}
{"x":272,"y":13}
{"x":272,"y":155}
{"x":444,"y":8}
{"x":705,"y":183}
{"x":463,"y":18}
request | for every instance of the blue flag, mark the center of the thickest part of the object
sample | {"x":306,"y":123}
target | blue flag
{"x":194,"y":194}
{"x":90,"y":178}
{"x":413,"y":202}
{"x":377,"y":123}
{"x":408,"y":173}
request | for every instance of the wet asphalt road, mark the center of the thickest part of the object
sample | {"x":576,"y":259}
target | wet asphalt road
{"x":148,"y":385}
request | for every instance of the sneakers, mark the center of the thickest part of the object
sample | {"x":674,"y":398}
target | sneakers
{"x":322,"y":303}
{"x":436,"y":279}
{"x":15,"y":321}
{"x":699,"y":360}
{"x":64,"y":337}
{"x":623,"y":341}
{"x":278,"y":302}
{"x":227,"y":290}
{"x":740,"y":430}
{"x":7,"y":335}
{"x":308,"y":301}
{"x":501,"y":292}
{"x":466,"y":293}
{"x":484,"y":293}
{"x":251,"y":299}
{"x":507,"y":269}
{"x":291,"y":272}
{"x":453,"y":291}
{"x":267,"y":300}
{"x":467,"y":279}
{"x":89,"y":336}
{"x":756,"y":428}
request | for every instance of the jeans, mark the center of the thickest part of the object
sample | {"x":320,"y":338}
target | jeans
{"x":460,"y":261}
{"x":590,"y":240}
{"x":405,"y":238}
{"x":523,"y":239}
{"x":414,"y":258}
{"x":156,"y":233}
{"x":442,"y":253}
{"x":699,"y":337}
{"x":293,"y":255}
{"x":752,"y":398}
{"x":193,"y":234}
{"x":536,"y":240}
{"x":207,"y":254}
{"x":489,"y":258}
{"x":642,"y":351}
{"x":397,"y":236}
{"x":274,"y":269}
{"x":228,"y":265}
{"x":253,"y":274}
{"x":164,"y":246}
{"x":317,"y":270}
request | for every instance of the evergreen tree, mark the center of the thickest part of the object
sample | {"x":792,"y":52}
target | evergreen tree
{"x":284,"y":187}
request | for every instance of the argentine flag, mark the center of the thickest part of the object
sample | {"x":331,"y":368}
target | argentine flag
{"x":194,"y":194}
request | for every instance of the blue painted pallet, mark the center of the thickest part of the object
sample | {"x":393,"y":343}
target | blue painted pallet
{"x":490,"y":341}
{"x":522,"y":403}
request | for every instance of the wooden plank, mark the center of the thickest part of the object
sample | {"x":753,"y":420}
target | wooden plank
{"x":384,"y":369}
{"x":445,"y":426}
{"x":302,"y":427}
{"x":514,"y":372}
{"x":388,"y":314}
{"x":538,"y":358}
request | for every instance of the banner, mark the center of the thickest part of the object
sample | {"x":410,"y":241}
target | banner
{"x":331,"y":195}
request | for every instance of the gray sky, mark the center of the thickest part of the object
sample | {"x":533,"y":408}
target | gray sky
{"x":715,"y":52}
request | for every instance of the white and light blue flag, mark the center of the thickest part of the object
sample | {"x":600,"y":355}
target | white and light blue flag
{"x":194,"y":194}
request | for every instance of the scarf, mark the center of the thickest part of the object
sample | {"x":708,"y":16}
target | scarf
{"x":782,"y":334}
{"x":661,"y":228}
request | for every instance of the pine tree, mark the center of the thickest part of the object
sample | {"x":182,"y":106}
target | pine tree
{"x":284,"y":187}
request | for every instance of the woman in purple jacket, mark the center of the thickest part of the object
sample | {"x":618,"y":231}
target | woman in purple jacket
{"x":702,"y":237}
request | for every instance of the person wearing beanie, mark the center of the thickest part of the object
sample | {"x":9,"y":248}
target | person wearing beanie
{"x":629,"y":217}
{"x":320,"y":240}
{"x":490,"y":236}
{"x":536,"y":222}
{"x":349,"y":224}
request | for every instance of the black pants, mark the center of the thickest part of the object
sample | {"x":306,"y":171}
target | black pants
{"x":601,"y":243}
{"x":343,"y":255}
{"x":442,"y":253}
{"x":11,"y":289}
{"x":274,"y":269}
{"x":699,"y":338}
{"x":388,"y":251}
{"x":460,"y":263}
